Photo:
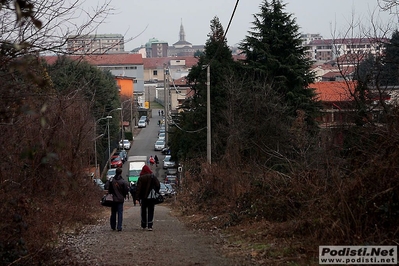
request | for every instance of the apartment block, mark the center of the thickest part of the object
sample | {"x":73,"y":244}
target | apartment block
{"x":331,"y":49}
{"x":95,"y":44}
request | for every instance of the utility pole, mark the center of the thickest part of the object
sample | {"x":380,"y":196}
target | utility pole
{"x":208,"y":114}
{"x":166,"y":100}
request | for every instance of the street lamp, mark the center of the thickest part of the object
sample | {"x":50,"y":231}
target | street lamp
{"x":109,"y":141}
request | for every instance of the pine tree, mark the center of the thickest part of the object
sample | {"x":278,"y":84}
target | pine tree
{"x":390,"y":69}
{"x":274,"y":54}
{"x":219,"y":57}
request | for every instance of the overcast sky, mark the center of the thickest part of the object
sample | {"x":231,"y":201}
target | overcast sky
{"x":161,"y":18}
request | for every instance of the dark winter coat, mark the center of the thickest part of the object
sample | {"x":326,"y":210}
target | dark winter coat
{"x":146,"y":182}
{"x":118,"y":188}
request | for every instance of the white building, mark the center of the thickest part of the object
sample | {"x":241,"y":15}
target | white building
{"x":331,"y":49}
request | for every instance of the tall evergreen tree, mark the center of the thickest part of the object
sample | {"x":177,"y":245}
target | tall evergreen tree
{"x":274,"y":54}
{"x":219,"y":58}
{"x":390,"y":70}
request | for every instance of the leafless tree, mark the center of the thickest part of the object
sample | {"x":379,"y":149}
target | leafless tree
{"x":46,"y":136}
{"x":44,"y":26}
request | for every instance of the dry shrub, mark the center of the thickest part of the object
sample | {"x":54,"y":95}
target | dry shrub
{"x":214,"y":189}
{"x":344,"y":200}
{"x":42,"y":189}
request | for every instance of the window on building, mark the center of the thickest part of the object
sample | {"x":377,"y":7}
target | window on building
{"x":155,"y":72}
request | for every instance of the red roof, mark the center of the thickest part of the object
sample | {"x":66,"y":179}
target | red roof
{"x":334,"y":91}
{"x":103,"y":59}
{"x":180,"y":82}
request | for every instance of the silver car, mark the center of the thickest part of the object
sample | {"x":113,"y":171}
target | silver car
{"x":161,"y":136}
{"x":111,"y":173}
{"x":159,"y":145}
{"x":168,"y":163}
{"x":99,"y":183}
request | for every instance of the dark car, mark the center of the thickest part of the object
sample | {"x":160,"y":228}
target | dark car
{"x":171,"y":179}
{"x":122,"y":154}
{"x":116,"y":161}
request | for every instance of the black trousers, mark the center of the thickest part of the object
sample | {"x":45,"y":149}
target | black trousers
{"x":147,"y":213}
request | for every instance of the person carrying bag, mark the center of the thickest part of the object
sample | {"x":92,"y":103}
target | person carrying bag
{"x":119,"y":188}
{"x":147,"y":182}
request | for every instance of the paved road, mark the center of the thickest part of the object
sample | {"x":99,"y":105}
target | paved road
{"x":171,"y":242}
{"x":143,"y":144}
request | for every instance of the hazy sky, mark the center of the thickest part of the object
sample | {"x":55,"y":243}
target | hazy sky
{"x":161,"y":18}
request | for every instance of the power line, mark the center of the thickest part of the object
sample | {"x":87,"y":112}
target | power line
{"x":220,"y":45}
{"x":225,"y":33}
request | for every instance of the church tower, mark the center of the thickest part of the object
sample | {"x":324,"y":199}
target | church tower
{"x":182,"y":43}
{"x":182,"y":34}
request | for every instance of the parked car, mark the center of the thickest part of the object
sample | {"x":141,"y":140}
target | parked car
{"x":171,"y":171}
{"x":165,"y":150}
{"x":164,"y":190}
{"x":171,"y":179}
{"x":116,"y":161}
{"x":162,"y":136}
{"x":124,"y":144}
{"x":171,"y":190}
{"x":142,"y":123}
{"x":122,"y":154}
{"x":168,"y":163}
{"x":159,"y":145}
{"x":99,"y":183}
{"x":111,"y":173}
{"x":161,"y":130}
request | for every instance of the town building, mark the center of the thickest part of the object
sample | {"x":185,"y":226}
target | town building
{"x":183,"y":47}
{"x":157,"y":70}
{"x":158,"y":48}
{"x":95,"y":44}
{"x":331,"y":49}
{"x":120,"y":65}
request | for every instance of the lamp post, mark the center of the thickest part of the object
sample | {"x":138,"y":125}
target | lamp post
{"x":208,"y":115}
{"x":96,"y":174}
{"x":109,"y":141}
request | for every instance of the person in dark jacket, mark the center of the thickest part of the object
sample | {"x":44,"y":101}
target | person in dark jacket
{"x":156,"y":160}
{"x":119,"y":188}
{"x":146,"y":182}
{"x":133,"y":189}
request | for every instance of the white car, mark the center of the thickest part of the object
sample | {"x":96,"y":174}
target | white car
{"x":124,"y":144}
{"x":161,"y":136}
{"x":142,"y":123}
{"x":159,"y":145}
